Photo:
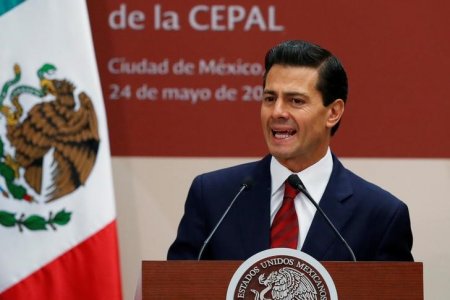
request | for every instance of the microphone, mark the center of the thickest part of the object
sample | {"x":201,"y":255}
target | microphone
{"x":247,"y":184}
{"x":298,"y":184}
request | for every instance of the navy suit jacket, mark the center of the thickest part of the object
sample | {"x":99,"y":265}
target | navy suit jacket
{"x":374,"y":223}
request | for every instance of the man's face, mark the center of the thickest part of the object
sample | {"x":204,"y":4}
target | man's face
{"x":296,"y":124}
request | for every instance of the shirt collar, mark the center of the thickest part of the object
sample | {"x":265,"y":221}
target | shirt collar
{"x":315,"y":178}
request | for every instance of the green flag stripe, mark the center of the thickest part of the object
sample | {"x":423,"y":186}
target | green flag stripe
{"x":7,"y":5}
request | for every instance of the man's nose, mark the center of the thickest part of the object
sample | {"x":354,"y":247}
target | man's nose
{"x":280,"y":109}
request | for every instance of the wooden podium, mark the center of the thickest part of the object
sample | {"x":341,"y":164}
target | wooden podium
{"x":210,"y":279}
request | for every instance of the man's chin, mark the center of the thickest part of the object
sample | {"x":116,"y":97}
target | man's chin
{"x":280,"y":154}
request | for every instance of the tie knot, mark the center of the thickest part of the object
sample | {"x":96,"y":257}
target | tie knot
{"x":289,"y":191}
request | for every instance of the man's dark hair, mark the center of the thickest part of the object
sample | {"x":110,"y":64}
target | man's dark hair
{"x":332,"y":82}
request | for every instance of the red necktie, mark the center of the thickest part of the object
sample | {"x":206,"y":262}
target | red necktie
{"x":284,"y":232}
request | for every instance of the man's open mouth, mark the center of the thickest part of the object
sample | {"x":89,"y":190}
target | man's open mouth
{"x":283,"y":134}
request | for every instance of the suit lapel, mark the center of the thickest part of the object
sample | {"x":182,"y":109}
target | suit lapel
{"x":337,"y":207}
{"x":255,"y":210}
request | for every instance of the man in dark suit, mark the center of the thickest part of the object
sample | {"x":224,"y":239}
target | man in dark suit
{"x":305,"y":90}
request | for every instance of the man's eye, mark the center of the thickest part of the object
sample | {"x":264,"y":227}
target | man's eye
{"x":297,"y":101}
{"x":269,"y":98}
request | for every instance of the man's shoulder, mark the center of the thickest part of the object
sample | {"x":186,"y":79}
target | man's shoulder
{"x":368,"y":191}
{"x":241,"y":173}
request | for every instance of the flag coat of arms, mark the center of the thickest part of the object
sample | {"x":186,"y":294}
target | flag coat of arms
{"x":57,"y":215}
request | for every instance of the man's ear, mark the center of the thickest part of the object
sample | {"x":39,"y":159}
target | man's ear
{"x":335,"y":112}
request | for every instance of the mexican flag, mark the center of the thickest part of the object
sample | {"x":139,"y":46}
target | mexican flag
{"x":58,"y":236}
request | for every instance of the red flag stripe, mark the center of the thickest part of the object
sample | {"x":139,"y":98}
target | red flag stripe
{"x":88,"y":271}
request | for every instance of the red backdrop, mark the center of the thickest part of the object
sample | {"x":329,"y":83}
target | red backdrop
{"x":395,"y":53}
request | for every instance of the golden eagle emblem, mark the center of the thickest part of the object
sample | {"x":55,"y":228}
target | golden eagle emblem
{"x":60,"y":125}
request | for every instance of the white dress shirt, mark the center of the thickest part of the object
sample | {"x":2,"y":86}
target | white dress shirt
{"x":315,"y":178}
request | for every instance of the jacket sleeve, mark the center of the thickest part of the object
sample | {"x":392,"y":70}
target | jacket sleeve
{"x":397,"y":241}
